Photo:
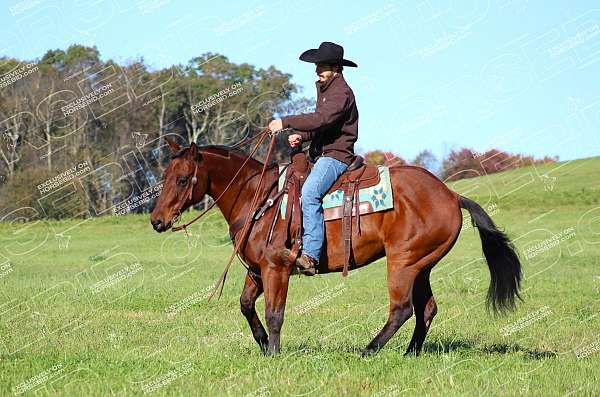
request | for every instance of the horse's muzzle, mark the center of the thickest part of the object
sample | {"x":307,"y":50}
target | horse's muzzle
{"x":159,"y":226}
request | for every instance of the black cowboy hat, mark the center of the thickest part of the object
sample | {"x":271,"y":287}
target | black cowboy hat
{"x":326,"y":53}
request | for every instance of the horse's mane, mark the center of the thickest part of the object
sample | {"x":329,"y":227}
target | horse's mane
{"x":222,"y":151}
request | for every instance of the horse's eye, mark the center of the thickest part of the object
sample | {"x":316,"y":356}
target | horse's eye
{"x":182,"y":180}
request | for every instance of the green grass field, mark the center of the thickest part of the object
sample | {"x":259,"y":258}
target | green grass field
{"x":108,"y":307}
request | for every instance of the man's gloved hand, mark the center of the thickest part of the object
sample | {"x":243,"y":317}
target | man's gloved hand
{"x":295,"y":139}
{"x":275,"y":125}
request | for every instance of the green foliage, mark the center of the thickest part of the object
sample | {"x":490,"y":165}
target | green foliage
{"x":142,"y":107}
{"x":22,"y":191}
{"x":8,"y":64}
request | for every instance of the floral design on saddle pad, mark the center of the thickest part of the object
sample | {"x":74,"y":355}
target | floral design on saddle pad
{"x":379,"y":196}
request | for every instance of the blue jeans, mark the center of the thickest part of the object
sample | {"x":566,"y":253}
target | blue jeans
{"x":323,"y":175}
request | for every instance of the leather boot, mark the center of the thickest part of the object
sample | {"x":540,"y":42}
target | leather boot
{"x":305,"y":264}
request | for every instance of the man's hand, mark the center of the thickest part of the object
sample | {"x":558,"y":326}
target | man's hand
{"x":295,"y":140}
{"x":275,"y":125}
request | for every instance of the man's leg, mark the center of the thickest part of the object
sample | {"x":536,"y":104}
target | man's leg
{"x":323,"y":175}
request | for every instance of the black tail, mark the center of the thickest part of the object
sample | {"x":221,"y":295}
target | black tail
{"x":501,"y":257}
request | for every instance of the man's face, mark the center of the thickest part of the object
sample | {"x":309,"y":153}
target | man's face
{"x":325,"y":71}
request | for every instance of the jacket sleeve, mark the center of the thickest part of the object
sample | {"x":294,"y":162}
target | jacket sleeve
{"x":306,"y":135}
{"x":330,"y":111}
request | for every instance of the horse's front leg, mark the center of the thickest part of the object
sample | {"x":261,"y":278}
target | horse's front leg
{"x":253,"y":288}
{"x":275,"y":282}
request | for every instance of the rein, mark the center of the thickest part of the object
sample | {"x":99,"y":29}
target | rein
{"x":246,"y":228}
{"x":262,"y":136}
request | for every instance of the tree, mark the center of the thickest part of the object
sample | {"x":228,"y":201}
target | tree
{"x":143,"y":106}
{"x":380,"y":157}
{"x":22,"y":190}
{"x":465,"y":162}
{"x":427,"y":159}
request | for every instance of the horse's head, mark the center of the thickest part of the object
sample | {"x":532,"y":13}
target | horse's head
{"x":185,"y":183}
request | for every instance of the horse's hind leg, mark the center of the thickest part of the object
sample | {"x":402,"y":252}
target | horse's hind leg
{"x":400,"y":285}
{"x":425,"y":309}
{"x":252,"y":290}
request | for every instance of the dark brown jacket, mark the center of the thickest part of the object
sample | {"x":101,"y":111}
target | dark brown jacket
{"x":333,"y":127}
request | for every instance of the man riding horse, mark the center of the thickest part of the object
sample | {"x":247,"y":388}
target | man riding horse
{"x":414,"y":235}
{"x":332,"y":130}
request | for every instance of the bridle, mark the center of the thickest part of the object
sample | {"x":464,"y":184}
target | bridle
{"x":192,"y":182}
{"x":245,"y":229}
{"x":188,"y":197}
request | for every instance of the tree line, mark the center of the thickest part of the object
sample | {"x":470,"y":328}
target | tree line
{"x":83,"y":137}
{"x":71,"y":112}
{"x":460,"y":163}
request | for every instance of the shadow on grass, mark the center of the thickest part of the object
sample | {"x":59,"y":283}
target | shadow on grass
{"x":442,"y":346}
{"x":438,"y":346}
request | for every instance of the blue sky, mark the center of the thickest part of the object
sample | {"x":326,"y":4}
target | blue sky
{"x":518,"y":75}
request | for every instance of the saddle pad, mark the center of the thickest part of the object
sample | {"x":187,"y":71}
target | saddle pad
{"x":372,"y":199}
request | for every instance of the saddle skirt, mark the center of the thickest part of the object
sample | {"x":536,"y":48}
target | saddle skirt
{"x":375,"y":194}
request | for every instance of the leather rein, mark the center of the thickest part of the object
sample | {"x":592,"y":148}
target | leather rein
{"x":194,"y":180}
{"x":246,"y":228}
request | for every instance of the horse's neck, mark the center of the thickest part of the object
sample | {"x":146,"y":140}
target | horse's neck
{"x":235,"y":202}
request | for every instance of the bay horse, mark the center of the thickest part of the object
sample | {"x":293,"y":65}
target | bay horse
{"x":421,"y":228}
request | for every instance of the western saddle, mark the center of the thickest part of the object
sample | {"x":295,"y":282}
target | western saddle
{"x":358,"y":175}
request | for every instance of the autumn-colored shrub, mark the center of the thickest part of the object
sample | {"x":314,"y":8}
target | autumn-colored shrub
{"x":465,"y":163}
{"x":379,"y":157}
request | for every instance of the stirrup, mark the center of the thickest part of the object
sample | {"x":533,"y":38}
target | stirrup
{"x":311,"y":270}
{"x":284,"y":254}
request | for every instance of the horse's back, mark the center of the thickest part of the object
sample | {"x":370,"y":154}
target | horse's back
{"x":423,"y":205}
{"x":417,"y":183}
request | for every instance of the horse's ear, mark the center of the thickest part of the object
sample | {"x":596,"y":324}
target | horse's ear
{"x":173,"y":145}
{"x":195,"y":151}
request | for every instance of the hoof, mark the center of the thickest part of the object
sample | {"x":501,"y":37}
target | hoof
{"x":412,"y":350}
{"x":271,"y":353}
{"x":368,"y":353}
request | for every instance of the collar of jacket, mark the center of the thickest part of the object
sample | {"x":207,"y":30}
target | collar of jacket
{"x":323,"y":85}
